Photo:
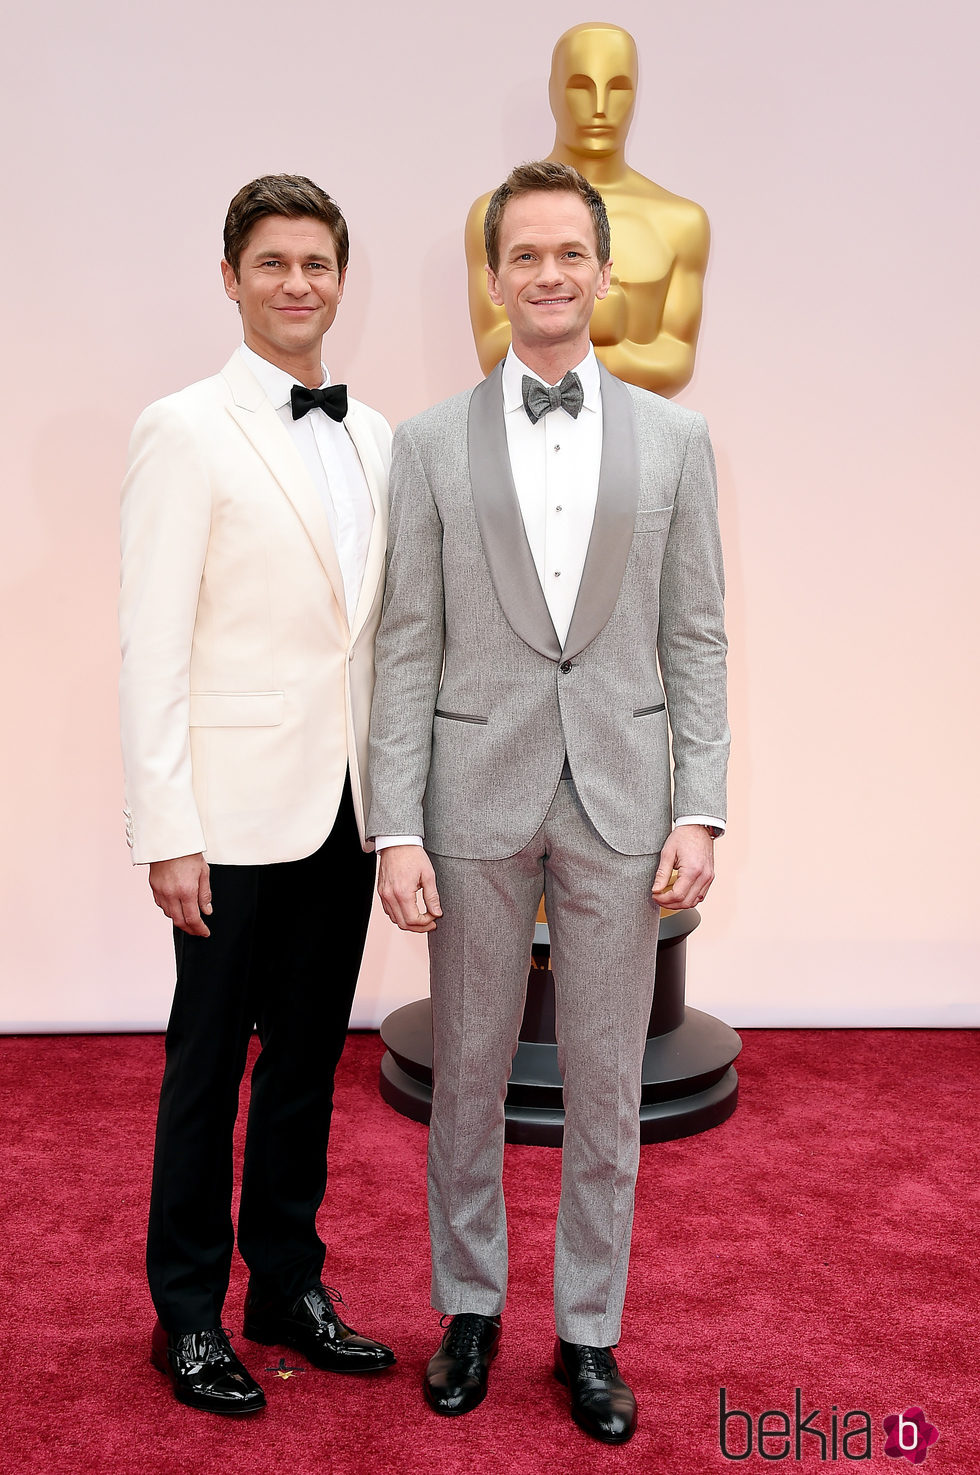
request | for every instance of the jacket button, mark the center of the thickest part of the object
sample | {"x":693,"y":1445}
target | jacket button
{"x":565,"y":667}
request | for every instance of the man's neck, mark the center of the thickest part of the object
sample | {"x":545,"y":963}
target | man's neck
{"x":552,"y":363}
{"x":306,"y":368}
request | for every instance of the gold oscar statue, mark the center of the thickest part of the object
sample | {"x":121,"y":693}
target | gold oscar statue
{"x":646,"y":330}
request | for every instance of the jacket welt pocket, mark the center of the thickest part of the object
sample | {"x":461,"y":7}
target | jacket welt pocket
{"x":653,"y":520}
{"x":461,"y":717}
{"x":649,"y":711}
{"x":237,"y":708}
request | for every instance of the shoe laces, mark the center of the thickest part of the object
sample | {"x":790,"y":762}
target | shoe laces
{"x":597,"y":1362}
{"x":466,"y":1332}
{"x":334,"y":1296}
{"x":214,"y":1345}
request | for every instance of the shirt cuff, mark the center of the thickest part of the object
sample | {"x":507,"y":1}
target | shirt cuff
{"x":383,"y":842}
{"x":700,"y":819}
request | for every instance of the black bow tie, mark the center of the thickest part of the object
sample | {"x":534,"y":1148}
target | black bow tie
{"x":333,"y":400}
{"x":539,"y":399}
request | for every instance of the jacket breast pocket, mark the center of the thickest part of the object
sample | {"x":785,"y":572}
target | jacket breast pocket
{"x":237,"y":708}
{"x":653,"y":520}
{"x":650,"y":711}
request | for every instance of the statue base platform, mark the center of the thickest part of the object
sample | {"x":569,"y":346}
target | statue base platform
{"x":689,"y":1081}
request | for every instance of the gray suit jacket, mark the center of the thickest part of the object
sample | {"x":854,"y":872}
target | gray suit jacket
{"x":476,"y":702}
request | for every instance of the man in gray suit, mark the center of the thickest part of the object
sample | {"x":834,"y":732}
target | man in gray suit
{"x":554,"y":591}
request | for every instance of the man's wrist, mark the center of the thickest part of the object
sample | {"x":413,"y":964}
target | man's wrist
{"x":385,"y":842}
{"x":710,"y":822}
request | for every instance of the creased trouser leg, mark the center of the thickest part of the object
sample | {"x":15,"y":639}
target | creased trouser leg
{"x":480,"y":954}
{"x":604,"y":937}
{"x":603,"y":924}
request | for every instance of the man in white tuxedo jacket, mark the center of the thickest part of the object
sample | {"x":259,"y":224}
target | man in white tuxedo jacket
{"x":554,"y":597}
{"x":253,"y":531}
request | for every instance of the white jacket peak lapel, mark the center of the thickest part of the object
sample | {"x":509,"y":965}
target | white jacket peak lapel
{"x":376,"y":476}
{"x":253,"y":412}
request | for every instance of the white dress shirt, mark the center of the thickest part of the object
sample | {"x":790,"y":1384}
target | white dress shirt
{"x":335,"y":470}
{"x":555,"y":465}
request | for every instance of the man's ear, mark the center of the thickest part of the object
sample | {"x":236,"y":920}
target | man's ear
{"x":341,"y":285}
{"x":603,"y":286}
{"x":493,"y":287}
{"x":230,"y":280}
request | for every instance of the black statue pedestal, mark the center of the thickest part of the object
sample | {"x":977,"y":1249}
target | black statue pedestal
{"x":689,"y":1082}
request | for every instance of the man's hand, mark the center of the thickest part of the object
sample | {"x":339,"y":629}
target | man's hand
{"x":182,"y":890}
{"x":690,"y":851}
{"x":404,"y":871}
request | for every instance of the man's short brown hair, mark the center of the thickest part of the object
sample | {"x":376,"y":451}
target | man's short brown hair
{"x":544,"y":174}
{"x":291,"y":195}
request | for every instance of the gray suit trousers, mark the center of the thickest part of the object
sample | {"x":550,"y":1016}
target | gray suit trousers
{"x":603,"y":925}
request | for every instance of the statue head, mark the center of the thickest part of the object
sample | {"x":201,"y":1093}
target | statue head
{"x":593,"y":88}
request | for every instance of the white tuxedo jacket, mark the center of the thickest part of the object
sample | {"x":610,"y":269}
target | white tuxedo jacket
{"x":245,"y":695}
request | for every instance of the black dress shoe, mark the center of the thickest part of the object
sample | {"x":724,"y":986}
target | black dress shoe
{"x":602,"y":1404}
{"x":311,"y":1325}
{"x":456,"y":1378}
{"x":204,"y":1371}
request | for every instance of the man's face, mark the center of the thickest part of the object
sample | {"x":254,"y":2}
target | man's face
{"x":289,"y":287}
{"x":592,"y":91}
{"x":548,"y":274}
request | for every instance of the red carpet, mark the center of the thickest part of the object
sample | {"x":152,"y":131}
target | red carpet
{"x":822,"y":1239}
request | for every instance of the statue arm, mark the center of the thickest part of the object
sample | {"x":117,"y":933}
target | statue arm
{"x":491,"y":330}
{"x":666,"y":363}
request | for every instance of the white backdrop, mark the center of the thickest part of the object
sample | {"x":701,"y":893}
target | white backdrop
{"x":832,"y":149}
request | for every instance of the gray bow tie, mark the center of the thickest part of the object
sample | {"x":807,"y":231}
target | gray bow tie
{"x":539,"y":399}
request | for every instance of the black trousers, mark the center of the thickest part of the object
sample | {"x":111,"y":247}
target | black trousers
{"x":283,"y":957}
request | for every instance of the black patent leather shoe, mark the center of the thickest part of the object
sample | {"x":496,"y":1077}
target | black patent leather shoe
{"x":457,"y":1375}
{"x":602,"y":1404}
{"x":311,"y":1326}
{"x":204,"y":1371}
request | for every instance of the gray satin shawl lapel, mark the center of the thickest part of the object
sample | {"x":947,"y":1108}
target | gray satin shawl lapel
{"x":615,"y":516}
{"x":498,"y":516}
